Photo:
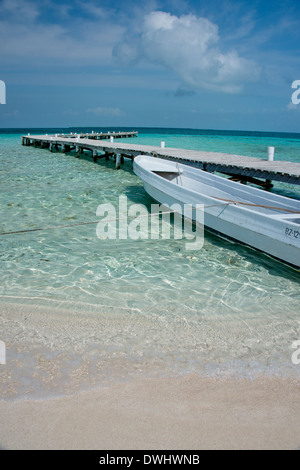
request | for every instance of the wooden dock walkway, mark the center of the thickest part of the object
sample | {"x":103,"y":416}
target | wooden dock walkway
{"x":238,"y":167}
{"x":99,"y":135}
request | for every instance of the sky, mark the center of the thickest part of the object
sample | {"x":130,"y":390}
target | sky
{"x":218,"y":64}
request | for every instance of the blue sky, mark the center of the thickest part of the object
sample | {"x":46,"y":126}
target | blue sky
{"x":219,"y":64}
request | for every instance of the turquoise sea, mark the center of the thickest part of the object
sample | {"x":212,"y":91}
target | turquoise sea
{"x":79,"y":312}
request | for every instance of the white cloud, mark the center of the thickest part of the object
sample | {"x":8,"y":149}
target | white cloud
{"x":189,"y":46}
{"x":105,"y":111}
{"x":70,"y":112}
{"x":28,"y":35}
{"x":94,"y":10}
{"x":19,"y":10}
{"x":293,"y":107}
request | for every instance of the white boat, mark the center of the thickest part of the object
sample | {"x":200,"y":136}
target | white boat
{"x":263,"y":220}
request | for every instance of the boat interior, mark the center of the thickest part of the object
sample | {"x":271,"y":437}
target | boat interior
{"x":258,"y":199}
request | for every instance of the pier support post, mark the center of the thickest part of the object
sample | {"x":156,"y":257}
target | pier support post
{"x":77,"y":151}
{"x":271,"y":151}
{"x":95,"y":156}
{"x":268,"y":184}
{"x":118,"y":161}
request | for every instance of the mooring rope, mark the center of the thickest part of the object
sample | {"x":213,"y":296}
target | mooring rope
{"x":97,"y":221}
{"x":226,"y":202}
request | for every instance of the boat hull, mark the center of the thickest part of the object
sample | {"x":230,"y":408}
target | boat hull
{"x":279,"y":238}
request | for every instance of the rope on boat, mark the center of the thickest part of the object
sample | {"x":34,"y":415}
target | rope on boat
{"x":258,"y":205}
{"x":179,"y":174}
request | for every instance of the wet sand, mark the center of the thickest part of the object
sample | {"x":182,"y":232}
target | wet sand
{"x":167,"y":413}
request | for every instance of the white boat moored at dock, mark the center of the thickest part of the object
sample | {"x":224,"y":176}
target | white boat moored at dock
{"x":263,"y":220}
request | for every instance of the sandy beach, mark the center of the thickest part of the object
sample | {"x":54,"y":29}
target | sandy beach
{"x":106,"y":400}
{"x":170,"y":413}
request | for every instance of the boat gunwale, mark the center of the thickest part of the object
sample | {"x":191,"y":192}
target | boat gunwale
{"x":241,"y":222}
{"x":278,"y":213}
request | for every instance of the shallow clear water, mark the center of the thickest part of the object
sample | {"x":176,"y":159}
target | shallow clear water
{"x":77,"y":311}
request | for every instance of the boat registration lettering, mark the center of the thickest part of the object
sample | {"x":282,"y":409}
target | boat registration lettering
{"x":292,"y":233}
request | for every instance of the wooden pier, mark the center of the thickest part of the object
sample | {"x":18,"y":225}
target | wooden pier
{"x":241,"y":168}
{"x":99,"y":135}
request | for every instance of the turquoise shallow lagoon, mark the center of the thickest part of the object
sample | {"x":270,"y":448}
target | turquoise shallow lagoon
{"x":78,"y":311}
